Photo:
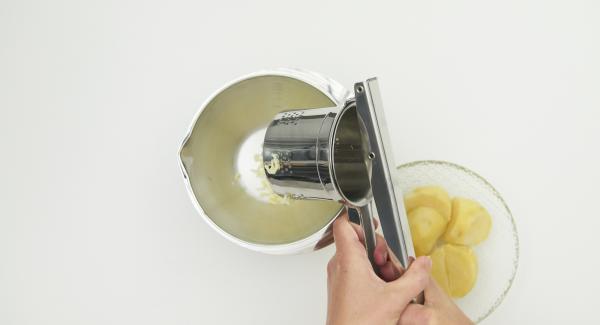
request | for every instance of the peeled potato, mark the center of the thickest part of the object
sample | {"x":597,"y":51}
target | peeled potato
{"x":470,"y":223}
{"x":438,"y":268}
{"x":429,"y":196}
{"x":461,"y":266}
{"x":426,"y":226}
{"x":454,"y":269}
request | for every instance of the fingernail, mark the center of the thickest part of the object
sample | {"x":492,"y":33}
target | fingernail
{"x":428,"y":262}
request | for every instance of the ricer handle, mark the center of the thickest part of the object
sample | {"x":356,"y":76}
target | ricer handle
{"x":365,"y":214}
{"x":387,"y":194}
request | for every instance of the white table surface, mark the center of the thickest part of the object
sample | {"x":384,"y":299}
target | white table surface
{"x":95,"y":97}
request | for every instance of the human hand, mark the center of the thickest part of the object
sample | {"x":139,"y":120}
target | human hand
{"x":356,"y":295}
{"x":438,"y":309}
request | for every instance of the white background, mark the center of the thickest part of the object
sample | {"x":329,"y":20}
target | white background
{"x":95,"y":97}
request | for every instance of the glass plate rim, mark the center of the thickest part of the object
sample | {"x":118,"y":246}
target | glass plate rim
{"x":493,"y":190}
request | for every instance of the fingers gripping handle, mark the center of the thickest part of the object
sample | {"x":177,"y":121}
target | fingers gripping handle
{"x":365,"y":213}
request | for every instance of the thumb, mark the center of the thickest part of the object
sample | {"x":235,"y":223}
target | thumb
{"x":412,"y":282}
{"x":345,"y":237}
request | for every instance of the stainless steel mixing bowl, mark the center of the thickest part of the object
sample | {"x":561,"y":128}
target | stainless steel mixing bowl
{"x":221,"y":162}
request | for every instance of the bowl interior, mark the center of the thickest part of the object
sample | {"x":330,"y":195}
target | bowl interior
{"x":498,"y":255}
{"x":222,"y":160}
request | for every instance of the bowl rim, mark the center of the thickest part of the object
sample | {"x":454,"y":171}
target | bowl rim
{"x":329,"y":87}
{"x":515,"y":233}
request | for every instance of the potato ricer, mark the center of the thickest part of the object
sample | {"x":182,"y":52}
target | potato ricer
{"x":342,"y":154}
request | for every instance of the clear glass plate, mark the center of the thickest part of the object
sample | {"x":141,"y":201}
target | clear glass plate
{"x":498,"y":256}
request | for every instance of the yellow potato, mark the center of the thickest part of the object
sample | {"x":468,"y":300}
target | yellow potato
{"x":426,"y":226}
{"x":438,"y":268}
{"x":461,"y":265}
{"x":470,"y":223}
{"x":454,"y":269}
{"x":433,"y":197}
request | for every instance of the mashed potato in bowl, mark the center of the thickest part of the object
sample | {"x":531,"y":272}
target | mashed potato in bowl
{"x":223,"y":177}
